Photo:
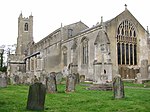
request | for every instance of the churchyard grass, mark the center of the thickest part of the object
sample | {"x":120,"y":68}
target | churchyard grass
{"x":137,"y":99}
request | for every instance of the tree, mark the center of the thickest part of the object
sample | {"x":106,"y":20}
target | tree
{"x":2,"y":68}
{"x":5,"y":50}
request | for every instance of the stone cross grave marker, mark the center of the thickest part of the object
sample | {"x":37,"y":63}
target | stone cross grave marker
{"x":36,"y":97}
{"x":51,"y":83}
{"x":70,"y":83}
{"x":118,"y":87}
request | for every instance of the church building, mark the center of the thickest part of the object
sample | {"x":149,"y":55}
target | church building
{"x":120,"y":45}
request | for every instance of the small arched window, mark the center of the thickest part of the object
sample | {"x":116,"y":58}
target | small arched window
{"x":84,"y":50}
{"x":26,"y":27}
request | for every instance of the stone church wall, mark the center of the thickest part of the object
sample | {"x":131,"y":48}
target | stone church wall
{"x":64,"y":47}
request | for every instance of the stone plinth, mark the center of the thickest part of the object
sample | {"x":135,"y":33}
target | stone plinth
{"x":103,"y":87}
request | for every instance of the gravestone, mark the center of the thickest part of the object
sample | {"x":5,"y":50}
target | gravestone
{"x":42,"y":77}
{"x":51,"y":83}
{"x":77,"y":77}
{"x":118,"y":87}
{"x":70,"y":83}
{"x":36,"y":97}
{"x":8,"y":80}
{"x":24,"y":79}
{"x":59,"y":77}
{"x":3,"y":82}
{"x":82,"y":78}
{"x":138,"y":78}
{"x":144,"y":69}
{"x":16,"y":79}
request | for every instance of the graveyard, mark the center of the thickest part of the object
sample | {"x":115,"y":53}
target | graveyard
{"x":137,"y":99}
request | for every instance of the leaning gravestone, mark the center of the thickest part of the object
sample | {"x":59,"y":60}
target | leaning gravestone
{"x":36,"y":97}
{"x":3,"y":82}
{"x":70,"y":83}
{"x":118,"y":87}
{"x":51,"y":83}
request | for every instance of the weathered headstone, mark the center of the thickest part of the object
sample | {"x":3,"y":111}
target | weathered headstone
{"x":42,"y":77}
{"x":8,"y":80}
{"x":70,"y":83}
{"x":59,"y":77}
{"x":3,"y":81}
{"x":51,"y":83}
{"x":82,"y":78}
{"x":36,"y":97}
{"x":16,"y":79}
{"x":77,"y":78}
{"x":118,"y":87}
{"x":144,"y":69}
{"x":138,"y":78}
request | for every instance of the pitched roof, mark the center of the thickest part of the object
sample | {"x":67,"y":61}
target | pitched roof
{"x":102,"y":38}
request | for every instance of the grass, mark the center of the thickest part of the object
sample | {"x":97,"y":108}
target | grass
{"x":129,"y":84}
{"x":14,"y":99}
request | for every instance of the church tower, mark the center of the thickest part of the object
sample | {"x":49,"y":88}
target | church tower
{"x":25,"y":34}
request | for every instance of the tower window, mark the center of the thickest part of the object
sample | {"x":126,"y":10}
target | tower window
{"x":26,"y":27}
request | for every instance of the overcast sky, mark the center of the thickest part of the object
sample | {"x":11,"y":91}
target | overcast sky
{"x":49,"y":14}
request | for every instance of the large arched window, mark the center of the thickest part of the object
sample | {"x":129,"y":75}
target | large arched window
{"x":126,"y":44}
{"x":26,"y":27}
{"x":84,"y":50}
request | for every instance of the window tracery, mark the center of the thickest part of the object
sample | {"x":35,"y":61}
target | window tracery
{"x":126,"y":44}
